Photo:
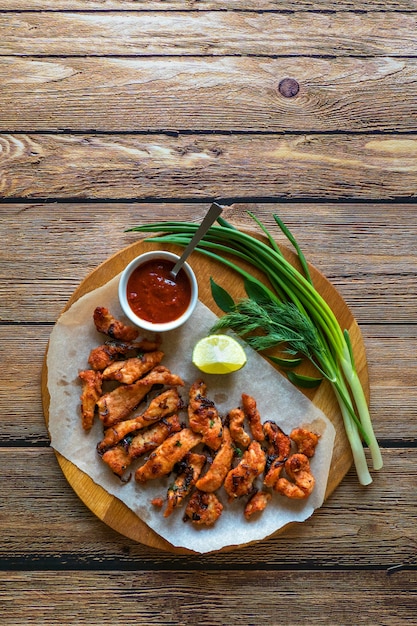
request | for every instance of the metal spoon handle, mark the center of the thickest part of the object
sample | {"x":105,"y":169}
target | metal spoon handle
{"x":212,"y":214}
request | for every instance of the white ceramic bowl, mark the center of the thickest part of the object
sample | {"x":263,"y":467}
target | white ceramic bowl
{"x":145,"y":324}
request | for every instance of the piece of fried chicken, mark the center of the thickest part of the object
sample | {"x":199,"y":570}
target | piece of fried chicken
{"x":161,"y":375}
{"x":121,"y":456}
{"x":130,"y":370}
{"x":203,"y":509}
{"x":116,"y":405}
{"x":251,"y":411}
{"x":305,"y":440}
{"x":257,"y":503}
{"x":91,"y":392}
{"x":162,"y":460}
{"x":203,"y":416}
{"x":279,"y":449}
{"x":102,"y":356}
{"x":163,"y":405}
{"x":239,"y":481}
{"x":236,"y":418}
{"x":301,"y":480}
{"x":188,"y":472}
{"x":109,"y":325}
{"x":220,"y":466}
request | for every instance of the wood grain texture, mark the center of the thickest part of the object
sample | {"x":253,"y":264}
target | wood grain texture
{"x":146,"y":33}
{"x":364,"y":167}
{"x":204,"y":5}
{"x":121,"y":597}
{"x":366,"y":250}
{"x":108,"y":508}
{"x":349,"y":531}
{"x":207,"y":93}
{"x":178,"y":99}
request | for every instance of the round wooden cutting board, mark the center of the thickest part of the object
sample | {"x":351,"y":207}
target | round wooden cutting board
{"x":111,"y":510}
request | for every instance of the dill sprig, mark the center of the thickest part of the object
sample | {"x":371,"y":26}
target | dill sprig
{"x":279,"y":323}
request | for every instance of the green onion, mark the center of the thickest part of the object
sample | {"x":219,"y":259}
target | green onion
{"x":331,"y":353}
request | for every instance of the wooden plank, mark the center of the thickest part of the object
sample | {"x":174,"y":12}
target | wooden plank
{"x":41,"y":505}
{"x":364,"y":249}
{"x":332,"y":167}
{"x":146,"y":33}
{"x":121,"y":597}
{"x":207,"y":5}
{"x":210,"y":94}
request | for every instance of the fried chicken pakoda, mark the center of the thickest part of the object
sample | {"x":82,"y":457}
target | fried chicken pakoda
{"x":161,"y":375}
{"x":116,"y":405}
{"x":257,"y":503}
{"x":137,"y":401}
{"x":162,"y":460}
{"x":254,"y":418}
{"x":301,"y":482}
{"x":109,"y":325}
{"x":236,"y":418}
{"x":239,"y":481}
{"x":101,"y":356}
{"x":219,"y":468}
{"x":104,"y":355}
{"x":204,"y":417}
{"x":188,"y":472}
{"x":130,"y":370}
{"x":203,"y":509}
{"x":305,"y":440}
{"x":120,"y":457}
{"x":91,"y":392}
{"x":163,"y":405}
{"x":279,"y":449}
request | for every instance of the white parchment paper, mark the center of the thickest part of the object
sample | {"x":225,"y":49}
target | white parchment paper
{"x":71,"y":341}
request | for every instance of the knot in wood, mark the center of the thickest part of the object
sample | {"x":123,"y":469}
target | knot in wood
{"x":288,"y":87}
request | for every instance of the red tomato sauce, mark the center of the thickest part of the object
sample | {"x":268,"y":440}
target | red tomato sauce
{"x":154,"y":295}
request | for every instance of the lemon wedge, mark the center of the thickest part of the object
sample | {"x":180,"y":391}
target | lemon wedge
{"x":218,"y":354}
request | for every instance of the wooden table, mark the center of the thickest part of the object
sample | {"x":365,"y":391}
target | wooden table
{"x":114,"y":113}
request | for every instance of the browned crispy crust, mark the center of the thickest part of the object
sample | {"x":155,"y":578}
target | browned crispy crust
{"x":203,"y":509}
{"x":257,"y":503}
{"x":120,"y":457}
{"x":162,"y":460}
{"x":279,"y":449}
{"x":239,"y":481}
{"x":188,"y":472}
{"x":305,"y":440}
{"x":91,"y":392}
{"x":114,"y":328}
{"x":163,"y":405}
{"x":152,"y":437}
{"x":300,"y":482}
{"x":130,"y":370}
{"x":116,"y":405}
{"x":204,"y":417}
{"x":101,"y":356}
{"x":236,"y":418}
{"x":218,"y":470}
{"x":254,"y":418}
{"x":161,"y":375}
